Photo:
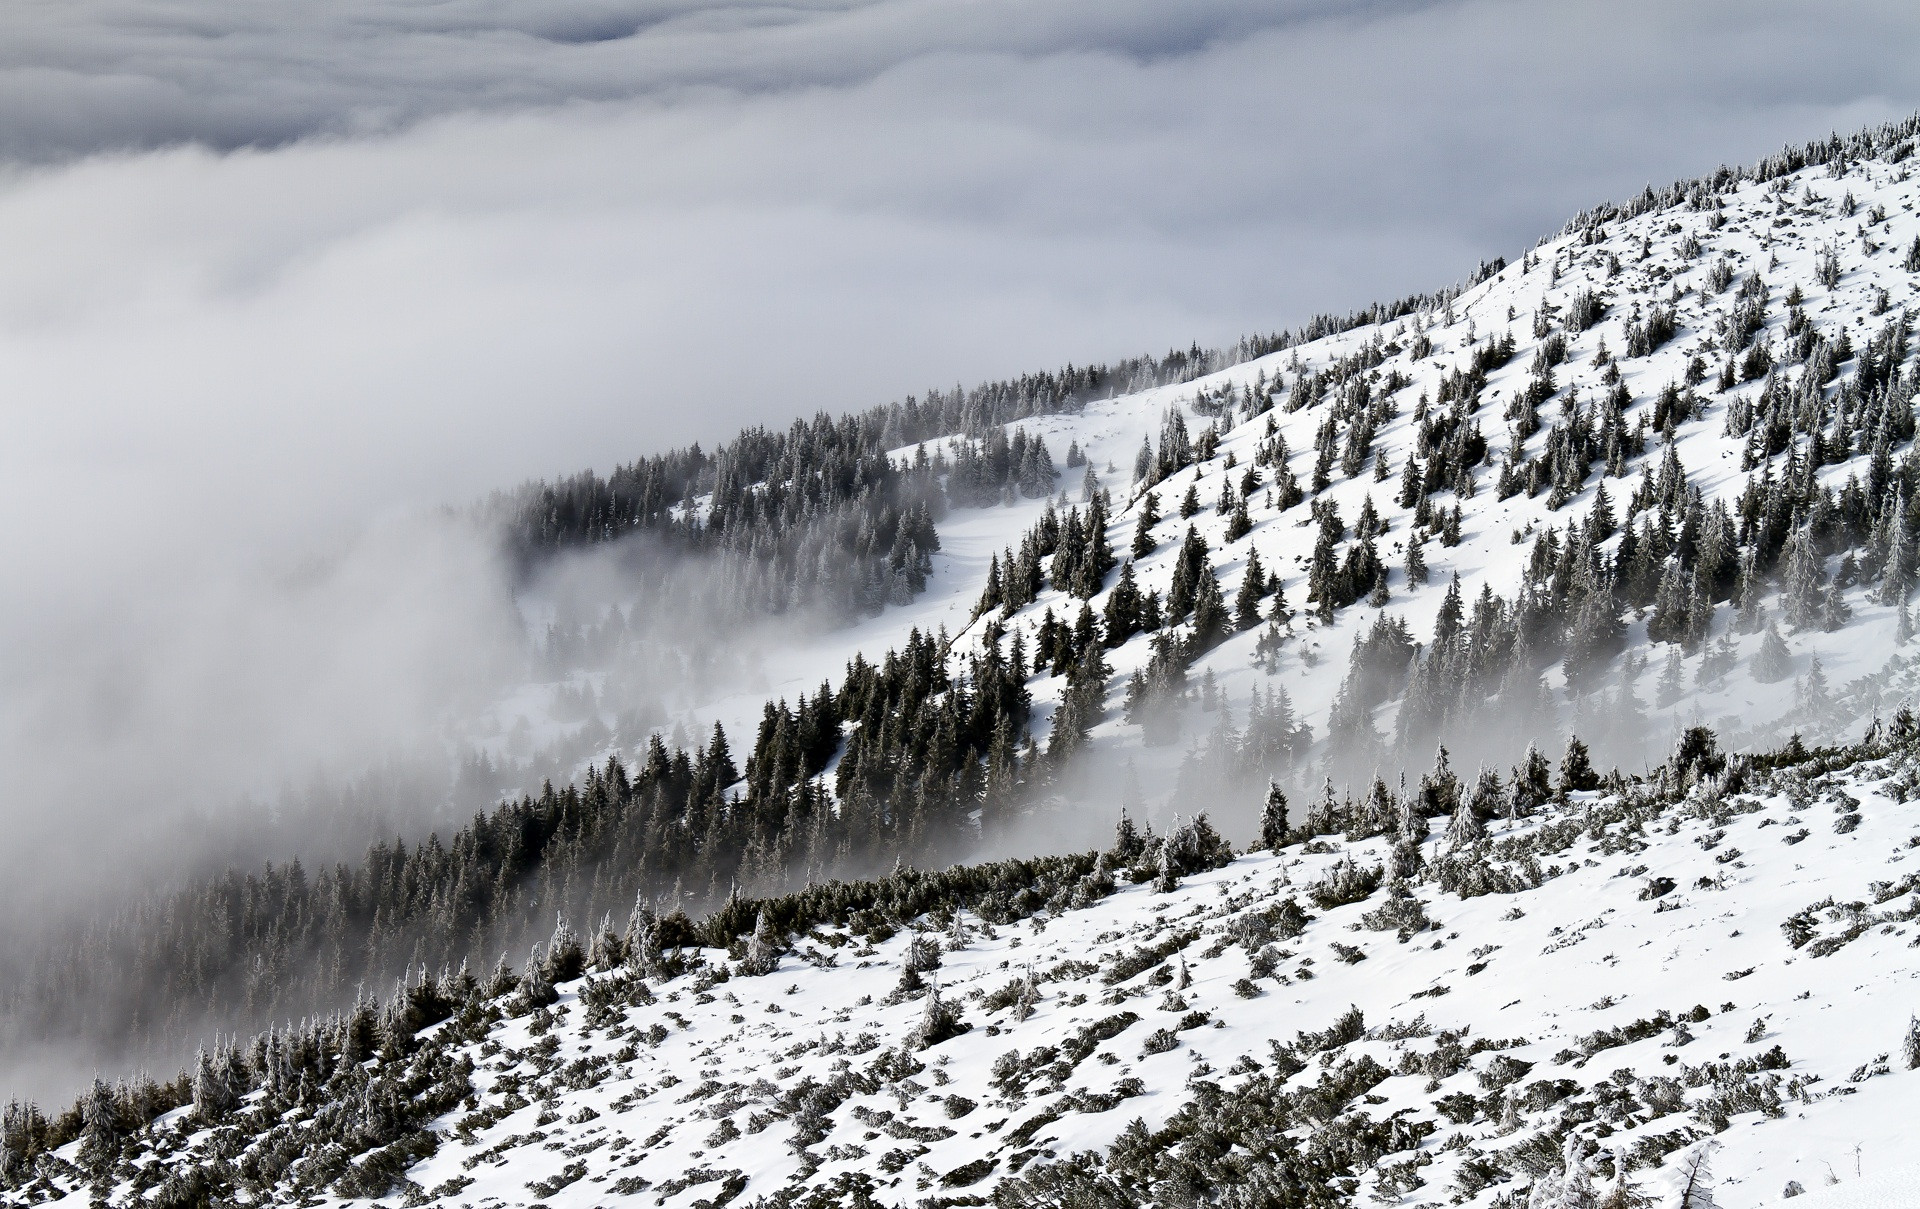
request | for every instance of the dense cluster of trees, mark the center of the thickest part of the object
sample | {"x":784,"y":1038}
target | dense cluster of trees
{"x":820,"y":517}
{"x":921,"y":745}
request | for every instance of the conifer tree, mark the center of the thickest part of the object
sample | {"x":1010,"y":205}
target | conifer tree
{"x":1416,"y":563}
{"x":1211,"y":621}
{"x":212,"y":1097}
{"x":763,"y":952}
{"x":1278,"y":612}
{"x":1464,"y":829}
{"x":1803,"y":591}
{"x":1253,"y":587}
{"x":1122,"y":614}
{"x":1378,"y":596}
{"x":1668,"y":620}
{"x":1412,"y":484}
{"x":99,"y":1121}
{"x":1239,"y":524}
{"x":1286,"y":489}
{"x":1814,"y":694}
{"x":1187,"y":569}
{"x":1672,"y":679}
{"x":1532,"y":784}
{"x":1576,"y":768}
{"x":1772,"y":662}
{"x":1143,"y":530}
{"x":1143,"y":461}
{"x":1897,"y":578}
{"x":1081,"y":704}
{"x":1273,"y":818}
{"x":939,"y":1021}
{"x":1601,"y":523}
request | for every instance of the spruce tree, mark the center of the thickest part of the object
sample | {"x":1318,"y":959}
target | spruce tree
{"x":99,"y":1121}
{"x":212,"y":1097}
{"x":1694,"y":1177}
{"x":1412,"y":484}
{"x":1253,"y":588}
{"x":1532,"y":784}
{"x":1286,"y":489}
{"x":1576,"y":768}
{"x":1239,"y":524}
{"x":1772,"y":662}
{"x":1803,"y":590}
{"x":1673,"y":682}
{"x":1465,"y":829}
{"x":939,"y":1021}
{"x":1211,"y":622}
{"x":1273,"y":818}
{"x":1143,"y":530}
{"x":1816,"y":697}
{"x":1378,"y":596}
{"x":1897,"y":558}
{"x":1143,"y":461}
{"x":1668,"y":620}
{"x":1187,"y":568}
{"x":1278,"y":612}
{"x":763,"y":951}
{"x":1122,"y":613}
{"x":1416,"y":563}
{"x":1601,"y":523}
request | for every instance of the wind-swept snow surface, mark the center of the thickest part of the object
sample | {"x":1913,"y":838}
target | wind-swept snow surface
{"x":1622,"y":982}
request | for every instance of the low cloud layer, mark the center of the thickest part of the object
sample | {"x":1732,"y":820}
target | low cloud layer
{"x":114,"y":75}
{"x":278,"y":279}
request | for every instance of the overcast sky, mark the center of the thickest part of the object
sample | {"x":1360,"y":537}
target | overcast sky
{"x":271,"y":270}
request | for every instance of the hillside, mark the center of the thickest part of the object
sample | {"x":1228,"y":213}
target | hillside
{"x":1549,"y":992}
{"x":1659,"y":474}
{"x":1727,"y":362}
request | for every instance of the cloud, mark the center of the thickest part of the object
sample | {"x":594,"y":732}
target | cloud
{"x":279,"y":278}
{"x":113,"y":75}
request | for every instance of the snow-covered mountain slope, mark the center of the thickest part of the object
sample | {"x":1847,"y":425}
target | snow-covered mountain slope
{"x":1780,"y":231}
{"x":1617,"y":983}
{"x":1812,"y":266}
{"x":1728,"y":362}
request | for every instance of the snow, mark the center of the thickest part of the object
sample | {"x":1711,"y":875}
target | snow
{"x":1887,"y":1190}
{"x":1867,"y":670}
{"x":1537,"y":972}
{"x":1541,"y":970}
